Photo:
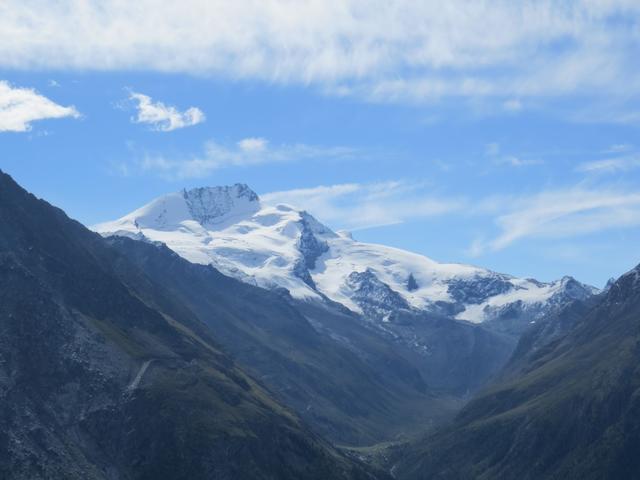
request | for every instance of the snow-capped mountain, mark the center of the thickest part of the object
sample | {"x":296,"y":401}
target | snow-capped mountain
{"x":278,"y":246}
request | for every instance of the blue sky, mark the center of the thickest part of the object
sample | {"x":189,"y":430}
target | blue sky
{"x":504,"y":135}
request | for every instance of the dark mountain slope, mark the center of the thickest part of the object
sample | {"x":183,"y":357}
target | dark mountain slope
{"x":102,"y":381}
{"x":453,"y":356}
{"x":568,"y":407}
{"x":343,"y":379}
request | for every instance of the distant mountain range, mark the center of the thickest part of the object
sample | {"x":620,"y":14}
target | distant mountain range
{"x":284,"y":247}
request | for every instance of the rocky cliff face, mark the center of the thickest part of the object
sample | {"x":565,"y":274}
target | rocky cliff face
{"x":210,"y":206}
{"x":377,"y":300}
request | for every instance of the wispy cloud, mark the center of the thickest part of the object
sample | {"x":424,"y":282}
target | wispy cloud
{"x":19,"y":107}
{"x":246,"y":152}
{"x":356,"y":206}
{"x":571,"y":212}
{"x":494,"y":152}
{"x":619,"y":148}
{"x":401,"y":50}
{"x":164,"y":118}
{"x":515,"y":161}
{"x":614,"y":110}
{"x":567,"y":213}
{"x":611,"y":165}
{"x":512,"y":105}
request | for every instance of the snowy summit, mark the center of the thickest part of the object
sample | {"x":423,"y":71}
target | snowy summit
{"x":281,"y":246}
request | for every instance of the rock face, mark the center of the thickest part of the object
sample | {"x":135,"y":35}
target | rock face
{"x":212,"y":206}
{"x":478,"y":290}
{"x":310,"y":249}
{"x":412,"y":285}
{"x":281,"y":247}
{"x":105,"y":375}
{"x":566,"y":406}
{"x":376,"y":299}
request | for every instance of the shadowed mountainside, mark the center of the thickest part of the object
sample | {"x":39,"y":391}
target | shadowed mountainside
{"x":353,"y":384}
{"x":99,"y":380}
{"x":566,"y":407}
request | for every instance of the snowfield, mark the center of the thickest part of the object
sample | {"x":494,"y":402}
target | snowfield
{"x":282,"y":246}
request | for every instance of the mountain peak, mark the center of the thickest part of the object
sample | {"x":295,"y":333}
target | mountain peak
{"x":213,"y":205}
{"x":237,"y":190}
{"x":626,"y":288}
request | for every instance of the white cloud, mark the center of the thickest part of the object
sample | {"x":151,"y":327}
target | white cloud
{"x":246,"y":152}
{"x":512,"y":105}
{"x":401,"y":50}
{"x":555,"y":214}
{"x":357,"y":206}
{"x":611,"y":165}
{"x":494,"y":152}
{"x":562,"y":214}
{"x":619,"y":148}
{"x":515,"y":161}
{"x":617,"y":110}
{"x":21,"y":106}
{"x":253,"y":144}
{"x":621,"y":157}
{"x":163,"y":117}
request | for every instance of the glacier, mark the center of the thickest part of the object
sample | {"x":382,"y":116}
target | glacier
{"x":282,"y":246}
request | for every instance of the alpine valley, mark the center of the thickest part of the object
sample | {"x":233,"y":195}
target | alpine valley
{"x":210,"y":335}
{"x":427,"y":334}
{"x":319,"y":240}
